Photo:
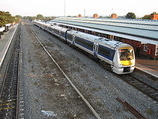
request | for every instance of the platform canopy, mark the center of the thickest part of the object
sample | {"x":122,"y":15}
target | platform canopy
{"x":141,"y":28}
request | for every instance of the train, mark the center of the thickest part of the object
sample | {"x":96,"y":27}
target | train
{"x":118,"y":55}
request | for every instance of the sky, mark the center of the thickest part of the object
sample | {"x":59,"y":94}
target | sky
{"x":76,"y":7}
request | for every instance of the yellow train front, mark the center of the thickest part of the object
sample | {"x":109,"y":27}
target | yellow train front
{"x":124,"y":59}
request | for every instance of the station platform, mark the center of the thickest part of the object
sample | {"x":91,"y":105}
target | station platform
{"x":148,"y":66}
{"x":5,"y":41}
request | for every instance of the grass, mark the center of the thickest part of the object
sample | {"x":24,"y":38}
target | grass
{"x":149,"y":111}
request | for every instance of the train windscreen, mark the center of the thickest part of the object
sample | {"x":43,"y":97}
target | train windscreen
{"x":126,"y":56}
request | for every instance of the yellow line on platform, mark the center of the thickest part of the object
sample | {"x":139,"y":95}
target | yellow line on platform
{"x":6,"y":108}
{"x":5,"y":104}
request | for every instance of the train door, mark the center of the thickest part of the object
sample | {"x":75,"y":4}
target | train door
{"x":60,"y":34}
{"x":66,"y":35}
{"x":73,"y":39}
{"x":95,"y":49}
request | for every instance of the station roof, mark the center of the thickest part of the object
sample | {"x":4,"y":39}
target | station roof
{"x":147,"y":29}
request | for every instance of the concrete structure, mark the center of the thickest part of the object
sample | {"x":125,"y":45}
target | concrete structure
{"x":5,"y":42}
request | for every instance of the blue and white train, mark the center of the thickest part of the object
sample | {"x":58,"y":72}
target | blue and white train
{"x":118,"y":55}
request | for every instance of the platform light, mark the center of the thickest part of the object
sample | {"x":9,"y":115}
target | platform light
{"x":64,"y":8}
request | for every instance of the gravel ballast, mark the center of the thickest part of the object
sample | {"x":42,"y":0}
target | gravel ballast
{"x":48,"y":95}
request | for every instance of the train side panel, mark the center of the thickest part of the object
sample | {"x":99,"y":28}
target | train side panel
{"x":106,"y":54}
{"x":84,"y":44}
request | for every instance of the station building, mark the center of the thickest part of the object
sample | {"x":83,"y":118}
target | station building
{"x":114,"y":16}
{"x":154,"y":16}
{"x":141,"y":34}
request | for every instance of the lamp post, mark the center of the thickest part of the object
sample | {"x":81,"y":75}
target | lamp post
{"x":84,"y":12}
{"x":64,"y":8}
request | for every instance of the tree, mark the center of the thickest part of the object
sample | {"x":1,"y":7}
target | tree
{"x":5,"y":18}
{"x":130,"y":15}
{"x":18,"y":17}
{"x":40,"y":17}
{"x":146,"y":17}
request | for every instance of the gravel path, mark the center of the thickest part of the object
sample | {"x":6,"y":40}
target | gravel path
{"x":48,"y":95}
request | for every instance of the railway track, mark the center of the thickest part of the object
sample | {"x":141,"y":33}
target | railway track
{"x":65,"y":75}
{"x":142,"y":86}
{"x":9,"y":90}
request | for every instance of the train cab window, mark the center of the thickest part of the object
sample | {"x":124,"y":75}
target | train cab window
{"x":126,"y":54}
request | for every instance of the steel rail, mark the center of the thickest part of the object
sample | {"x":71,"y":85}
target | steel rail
{"x":20,"y":100}
{"x":79,"y":93}
{"x":144,"y":87}
{"x":134,"y":81}
{"x":131,"y":109}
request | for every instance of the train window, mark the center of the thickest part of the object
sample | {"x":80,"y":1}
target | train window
{"x":106,"y":52}
{"x":85,"y":43}
{"x":56,"y":31}
{"x":126,"y":54}
{"x":50,"y":29}
{"x":62,"y":33}
{"x":69,"y":37}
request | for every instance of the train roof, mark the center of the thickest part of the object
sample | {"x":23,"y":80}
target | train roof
{"x":146,"y":31}
{"x":101,"y":40}
{"x":85,"y":35}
